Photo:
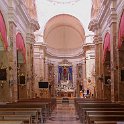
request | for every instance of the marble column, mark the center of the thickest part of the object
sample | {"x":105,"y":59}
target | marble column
{"x":100,"y":71}
{"x":97,"y":67}
{"x":95,"y":27}
{"x":113,"y":51}
{"x":13,"y":62}
{"x":29,"y":63}
{"x":84,"y":69}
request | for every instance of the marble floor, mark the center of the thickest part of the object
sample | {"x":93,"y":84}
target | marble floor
{"x":64,"y":114}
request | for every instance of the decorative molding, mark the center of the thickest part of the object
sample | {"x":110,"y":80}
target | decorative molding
{"x":65,"y":62}
{"x":60,"y":53}
{"x":113,"y":16}
{"x":88,"y":46}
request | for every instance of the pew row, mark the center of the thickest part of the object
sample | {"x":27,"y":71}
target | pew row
{"x":89,"y":110}
{"x":11,"y":122}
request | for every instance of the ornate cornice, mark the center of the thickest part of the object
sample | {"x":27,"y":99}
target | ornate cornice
{"x":101,"y":17}
{"x":113,"y":14}
{"x":24,"y":16}
{"x":12,"y":17}
{"x":64,"y":54}
{"x":88,"y":46}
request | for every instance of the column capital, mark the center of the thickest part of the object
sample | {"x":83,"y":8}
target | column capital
{"x":34,"y":25}
{"x":97,"y":39}
{"x":93,"y":25}
{"x":30,"y":38}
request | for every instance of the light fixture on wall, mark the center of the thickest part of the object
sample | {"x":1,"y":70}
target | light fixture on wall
{"x":109,"y":81}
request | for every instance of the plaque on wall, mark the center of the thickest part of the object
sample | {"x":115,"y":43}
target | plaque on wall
{"x":43,"y":84}
{"x":122,"y":75}
{"x":3,"y":74}
{"x":22,"y":79}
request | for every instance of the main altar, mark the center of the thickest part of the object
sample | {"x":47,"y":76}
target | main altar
{"x":65,"y":80}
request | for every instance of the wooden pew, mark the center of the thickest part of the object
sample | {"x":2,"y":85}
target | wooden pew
{"x":109,"y":122}
{"x":82,"y":115}
{"x":108,"y":112}
{"x":89,"y":109}
{"x":45,"y":105}
{"x":11,"y":122}
{"x":37,"y":118}
{"x":32,"y":113}
{"x":42,"y":106}
{"x":51,"y":101}
{"x":93,"y":101}
{"x":25,"y":118}
{"x":92,"y":118}
{"x":96,"y":105}
{"x":106,"y":122}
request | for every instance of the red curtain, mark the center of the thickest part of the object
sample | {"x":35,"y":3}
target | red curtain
{"x":121,"y":31}
{"x":106,"y":45}
{"x":20,"y":45}
{"x":3,"y":32}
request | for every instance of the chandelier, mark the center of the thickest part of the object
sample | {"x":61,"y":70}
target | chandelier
{"x":63,"y":1}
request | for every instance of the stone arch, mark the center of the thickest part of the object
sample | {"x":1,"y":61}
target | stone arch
{"x":4,"y":85}
{"x":121,"y":46}
{"x":3,"y":31}
{"x":20,"y":45}
{"x":106,"y":45}
{"x":107,"y":66}
{"x":3,"y":42}
{"x":121,"y":30}
{"x":21,"y":66}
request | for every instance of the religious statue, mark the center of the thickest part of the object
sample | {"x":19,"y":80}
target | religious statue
{"x":65,"y":74}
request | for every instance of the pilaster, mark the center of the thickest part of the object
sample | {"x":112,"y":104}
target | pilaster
{"x":98,"y":69}
{"x":113,"y":52}
{"x":29,"y":65}
{"x":13,"y":61}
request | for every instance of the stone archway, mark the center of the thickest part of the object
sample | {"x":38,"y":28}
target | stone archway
{"x":21,"y":67}
{"x":107,"y":68}
{"x":4,"y":71}
{"x":121,"y":56}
